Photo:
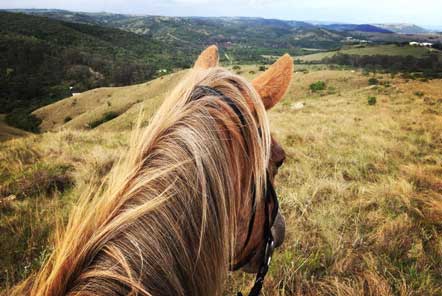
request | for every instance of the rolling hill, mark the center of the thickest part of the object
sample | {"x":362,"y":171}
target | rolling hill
{"x":91,"y":106}
{"x":359,"y":28}
{"x":268,"y":35}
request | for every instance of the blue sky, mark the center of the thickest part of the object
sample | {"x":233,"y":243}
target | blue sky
{"x":423,"y":12}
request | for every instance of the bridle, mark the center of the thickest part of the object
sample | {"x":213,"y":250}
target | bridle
{"x":270,"y":197}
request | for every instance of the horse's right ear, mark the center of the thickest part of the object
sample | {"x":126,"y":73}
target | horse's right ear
{"x":273,"y":83}
{"x":208,"y":58}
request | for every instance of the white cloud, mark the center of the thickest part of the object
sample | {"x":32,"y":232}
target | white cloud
{"x":366,"y":11}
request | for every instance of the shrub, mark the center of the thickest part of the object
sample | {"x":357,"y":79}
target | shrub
{"x":106,"y":117}
{"x":21,"y":118}
{"x":262,"y":68}
{"x":236,"y":67}
{"x":419,"y":94}
{"x":371,"y":100}
{"x":67,"y":119}
{"x":252,"y":72}
{"x":373,"y":81}
{"x":317,"y":86}
{"x":331,"y":90}
{"x":385,"y":83}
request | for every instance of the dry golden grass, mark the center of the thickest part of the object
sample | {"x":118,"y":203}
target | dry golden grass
{"x":361,"y":188}
{"x":81,"y":110}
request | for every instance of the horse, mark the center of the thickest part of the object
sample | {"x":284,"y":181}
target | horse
{"x":191,"y":200}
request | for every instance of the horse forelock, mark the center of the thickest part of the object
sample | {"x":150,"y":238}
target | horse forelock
{"x":165,"y":222}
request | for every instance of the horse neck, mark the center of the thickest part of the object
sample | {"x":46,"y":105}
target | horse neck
{"x":166,"y":224}
{"x":182,"y":244}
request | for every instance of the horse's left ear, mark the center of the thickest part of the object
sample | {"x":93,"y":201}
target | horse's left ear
{"x":208,"y":58}
{"x":273,"y":83}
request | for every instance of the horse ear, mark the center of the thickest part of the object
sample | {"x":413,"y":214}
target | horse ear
{"x":273,"y":83}
{"x":208,"y":58}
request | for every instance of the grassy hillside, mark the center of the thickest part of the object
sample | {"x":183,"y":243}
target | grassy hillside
{"x":361,"y":188}
{"x":84,"y":109}
{"x":390,"y":50}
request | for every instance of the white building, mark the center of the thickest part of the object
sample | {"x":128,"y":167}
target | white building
{"x":423,"y":44}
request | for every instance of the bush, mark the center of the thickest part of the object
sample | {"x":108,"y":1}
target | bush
{"x":373,"y":81}
{"x":252,"y":72}
{"x":385,"y":83}
{"x":236,"y":67}
{"x":419,"y":94}
{"x":21,"y":118}
{"x":67,"y":119}
{"x":262,"y":68}
{"x":371,"y":100}
{"x":106,"y":117}
{"x":331,"y":90}
{"x":317,"y":86}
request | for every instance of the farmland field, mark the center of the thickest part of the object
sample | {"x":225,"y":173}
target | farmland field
{"x":391,"y":50}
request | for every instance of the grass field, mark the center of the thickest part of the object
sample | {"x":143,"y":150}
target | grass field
{"x":392,"y":50}
{"x":361,"y":188}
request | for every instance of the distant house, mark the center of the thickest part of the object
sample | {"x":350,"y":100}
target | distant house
{"x":423,"y":44}
{"x":73,"y":91}
{"x":355,"y":40}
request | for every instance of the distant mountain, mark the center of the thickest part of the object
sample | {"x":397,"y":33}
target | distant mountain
{"x":239,"y":34}
{"x":403,"y":28}
{"x":354,"y":27}
{"x":269,"y":36}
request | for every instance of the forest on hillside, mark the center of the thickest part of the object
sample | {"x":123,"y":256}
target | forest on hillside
{"x":40,"y":59}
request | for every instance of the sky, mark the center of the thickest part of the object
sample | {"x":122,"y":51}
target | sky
{"x":427,"y":13}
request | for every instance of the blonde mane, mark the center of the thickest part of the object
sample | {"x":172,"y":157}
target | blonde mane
{"x":165,"y":222}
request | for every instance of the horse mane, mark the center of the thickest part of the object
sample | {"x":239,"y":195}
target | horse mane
{"x":165,"y":221}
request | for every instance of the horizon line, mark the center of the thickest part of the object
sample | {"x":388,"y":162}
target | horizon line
{"x":310,"y":21}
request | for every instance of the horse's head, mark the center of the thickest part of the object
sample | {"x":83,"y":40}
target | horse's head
{"x":251,"y":237}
